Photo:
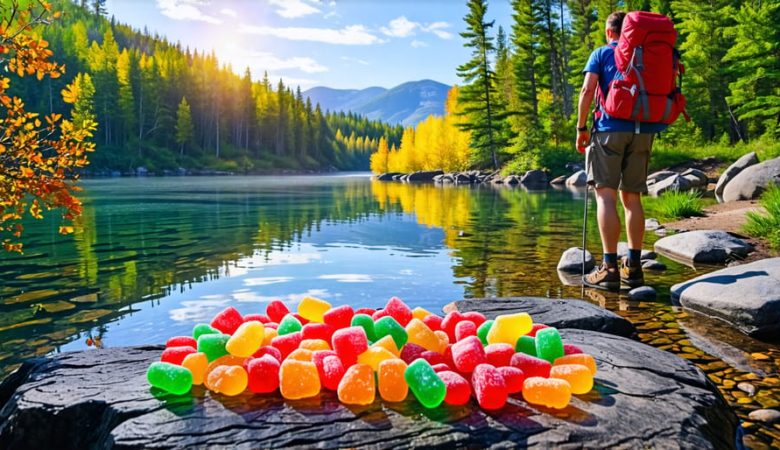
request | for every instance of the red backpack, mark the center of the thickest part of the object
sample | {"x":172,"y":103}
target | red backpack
{"x":647,"y":88}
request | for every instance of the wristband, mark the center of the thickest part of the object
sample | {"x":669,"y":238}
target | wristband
{"x":582,"y":128}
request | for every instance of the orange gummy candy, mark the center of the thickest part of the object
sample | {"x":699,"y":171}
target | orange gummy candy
{"x":227,"y":380}
{"x":197,"y":363}
{"x":578,"y":358}
{"x":392,"y":384}
{"x":443,"y":338}
{"x":373,"y":356}
{"x":298,"y":379}
{"x":301,"y":354}
{"x":578,"y":376}
{"x":420,"y":334}
{"x":357,"y":387}
{"x":269,"y":333}
{"x":227,"y":360}
{"x":550,"y":392}
{"x":314,"y":344}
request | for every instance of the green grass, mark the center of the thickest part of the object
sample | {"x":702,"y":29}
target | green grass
{"x":672,"y":205}
{"x":666,"y":154}
{"x":766,"y":225}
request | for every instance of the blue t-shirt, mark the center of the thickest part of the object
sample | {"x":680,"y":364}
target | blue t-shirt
{"x":602,"y":63}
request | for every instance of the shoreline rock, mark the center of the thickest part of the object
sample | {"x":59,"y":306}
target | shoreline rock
{"x":702,"y":246}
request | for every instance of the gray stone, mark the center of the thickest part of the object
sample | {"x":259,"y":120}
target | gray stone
{"x":423,"y":175}
{"x":652,"y":264}
{"x":655,"y":177}
{"x":732,"y":171}
{"x":642,"y":294}
{"x":765,"y":415}
{"x":559,"y":180}
{"x":747,"y":388}
{"x":462,"y":178}
{"x":622,"y":250}
{"x":703,"y":246}
{"x":673,"y":183}
{"x":512,"y":180}
{"x":696,"y":177}
{"x":534,"y":177}
{"x":652,"y":224}
{"x":746,"y":296}
{"x":389,"y":176}
{"x":751,"y":182}
{"x":571,"y":261}
{"x":578,"y":179}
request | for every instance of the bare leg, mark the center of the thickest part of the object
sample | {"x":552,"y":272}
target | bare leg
{"x":609,"y":222}
{"x":635,"y":218}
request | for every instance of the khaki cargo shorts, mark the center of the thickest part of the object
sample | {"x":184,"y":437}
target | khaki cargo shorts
{"x":619,"y":160}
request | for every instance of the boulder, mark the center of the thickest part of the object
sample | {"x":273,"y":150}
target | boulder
{"x":462,"y":178}
{"x":652,"y":264}
{"x":765,"y":415}
{"x":751,"y":182}
{"x":389,"y":176}
{"x":512,"y":180}
{"x":622,"y":250}
{"x":571,"y":261}
{"x":642,"y":294}
{"x":732,"y":171}
{"x":672,"y":183}
{"x":559,"y":180}
{"x":655,"y":177}
{"x":578,"y":179}
{"x":534,"y":178}
{"x":423,"y":175}
{"x":746,"y":296}
{"x":697,"y":178}
{"x":703,"y":246}
{"x":575,"y":166}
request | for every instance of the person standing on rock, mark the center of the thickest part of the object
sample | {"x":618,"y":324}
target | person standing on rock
{"x":618,"y":152}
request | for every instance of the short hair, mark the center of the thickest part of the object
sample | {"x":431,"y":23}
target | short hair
{"x":615,"y":21}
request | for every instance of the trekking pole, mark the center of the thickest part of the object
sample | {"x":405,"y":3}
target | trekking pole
{"x":585,"y":220}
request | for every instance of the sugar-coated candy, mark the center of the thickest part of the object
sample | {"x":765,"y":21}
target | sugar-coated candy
{"x":531,"y":365}
{"x":227,"y":380}
{"x":398,"y":310}
{"x":269,"y":334}
{"x":175,"y":355}
{"x":433,"y":321}
{"x":203,"y":328}
{"x":314,"y":344}
{"x":367,"y":323}
{"x":425,"y":383}
{"x":317,"y":331}
{"x":331,"y":372}
{"x":169,"y":377}
{"x":535,"y":328}
{"x":458,"y":388}
{"x":197,"y":364}
{"x":433,"y":358}
{"x":213,"y":345}
{"x":420,"y":313}
{"x":474,"y":317}
{"x":388,"y":326}
{"x":513,"y":378}
{"x":468,"y":354}
{"x":181,"y":341}
{"x":548,"y":344}
{"x":263,"y":373}
{"x":449,"y":323}
{"x":526,"y":344}
{"x":483,"y":330}
{"x":287,"y":344}
{"x":339,"y":317}
{"x":262,"y":318}
{"x":301,"y":354}
{"x":571,"y":349}
{"x":227,"y":360}
{"x":366,"y":311}
{"x":268,"y":350}
{"x":499,"y":355}
{"x":391,"y":381}
{"x":273,"y":325}
{"x":579,"y":377}
{"x":578,"y":358}
{"x":447,"y":356}
{"x":489,"y":387}
{"x":549,"y":392}
{"x":313,"y":309}
{"x":246,"y":340}
{"x":349,"y":343}
{"x":464,"y":329}
{"x":373,"y":356}
{"x":507,"y":328}
{"x":410,"y":352}
{"x":444,"y":340}
{"x":357,"y":387}
{"x":300,"y":318}
{"x":318,"y":355}
{"x":388,"y":343}
{"x":227,"y":320}
{"x":289,"y":325}
{"x":298,"y":379}
{"x":419,"y":333}
{"x":439,"y":367}
{"x":276,"y":310}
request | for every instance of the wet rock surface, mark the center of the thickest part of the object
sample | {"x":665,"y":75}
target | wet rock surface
{"x":703,"y":246}
{"x":571,"y":261}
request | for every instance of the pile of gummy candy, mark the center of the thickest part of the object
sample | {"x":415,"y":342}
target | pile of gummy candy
{"x":392,"y":350}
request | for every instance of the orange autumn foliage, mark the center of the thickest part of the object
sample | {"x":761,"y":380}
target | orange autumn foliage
{"x":38,"y":155}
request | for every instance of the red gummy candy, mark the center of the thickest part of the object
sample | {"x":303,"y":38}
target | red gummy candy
{"x":433,"y":322}
{"x":531,"y":365}
{"x":318,"y":355}
{"x":287,"y":343}
{"x":366,"y":311}
{"x":378,"y":314}
{"x":464,"y":329}
{"x":348,"y":343}
{"x":458,"y":389}
{"x":513,"y":378}
{"x":182,"y":341}
{"x":499,"y":355}
{"x":474,"y":317}
{"x":399,"y":311}
{"x":175,"y":355}
{"x":536,"y":327}
{"x":276,"y":310}
{"x":300,"y":318}
{"x":268,"y":350}
{"x":263,"y":374}
{"x":571,"y":349}
{"x":228,"y":320}
{"x":331,"y":371}
{"x":447,"y":355}
{"x":318,"y":331}
{"x":411,"y":352}
{"x":262,"y":318}
{"x":339,"y":317}
{"x":440,"y":367}
{"x":489,"y":387}
{"x":273,"y":325}
{"x":449,"y":323}
{"x":433,"y":358}
{"x":468,"y":354}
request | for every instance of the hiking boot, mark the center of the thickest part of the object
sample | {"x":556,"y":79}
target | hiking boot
{"x":603,"y":277}
{"x":631,"y":276}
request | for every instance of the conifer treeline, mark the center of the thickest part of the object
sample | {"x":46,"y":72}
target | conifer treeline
{"x":162,"y":107}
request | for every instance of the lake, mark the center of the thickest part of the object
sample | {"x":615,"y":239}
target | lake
{"x":153,"y":256}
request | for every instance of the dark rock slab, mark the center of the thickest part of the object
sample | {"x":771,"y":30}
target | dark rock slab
{"x":559,"y":313}
{"x":534,"y":178}
{"x":703,"y":246}
{"x":423,"y":175}
{"x":732,"y":171}
{"x":389,"y":176}
{"x":752,"y":181}
{"x":559,"y":180}
{"x":673,"y":183}
{"x":643,"y":398}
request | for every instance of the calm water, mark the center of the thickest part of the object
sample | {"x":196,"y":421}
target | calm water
{"x":151,"y":257}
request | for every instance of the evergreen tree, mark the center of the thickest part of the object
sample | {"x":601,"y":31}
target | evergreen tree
{"x":184,"y":128}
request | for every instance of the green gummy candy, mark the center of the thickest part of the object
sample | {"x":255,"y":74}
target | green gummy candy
{"x":548,"y":344}
{"x":169,"y":377}
{"x":429,"y":389}
{"x":365,"y":321}
{"x":387,"y":325}
{"x":483,"y":330}
{"x":203,"y":328}
{"x":527,"y":345}
{"x":213,"y":345}
{"x":289,"y":325}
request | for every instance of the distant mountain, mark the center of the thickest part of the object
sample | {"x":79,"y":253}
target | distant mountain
{"x":407,"y":104}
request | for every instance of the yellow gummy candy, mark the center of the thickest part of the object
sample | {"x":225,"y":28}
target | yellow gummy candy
{"x":420,"y":334}
{"x":246,"y":340}
{"x":388,"y":343}
{"x":375,"y":355}
{"x":508,"y":328}
{"x":443,"y":338}
{"x":420,"y":313}
{"x":270,"y":333}
{"x":312,"y":309}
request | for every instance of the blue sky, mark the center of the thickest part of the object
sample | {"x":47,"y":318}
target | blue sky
{"x":340,"y":44}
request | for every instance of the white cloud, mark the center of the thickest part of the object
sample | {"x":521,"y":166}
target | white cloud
{"x":400,"y":27}
{"x":349,"y":35}
{"x":185,"y":10}
{"x":269,"y":61}
{"x":265,"y":281}
{"x":355,"y":60}
{"x":437,"y":28}
{"x":304,"y":83}
{"x":418,"y":44}
{"x":291,"y":9}
{"x":229,"y":12}
{"x":348,"y":277}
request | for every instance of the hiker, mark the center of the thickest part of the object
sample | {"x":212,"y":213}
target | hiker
{"x":617,"y":159}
